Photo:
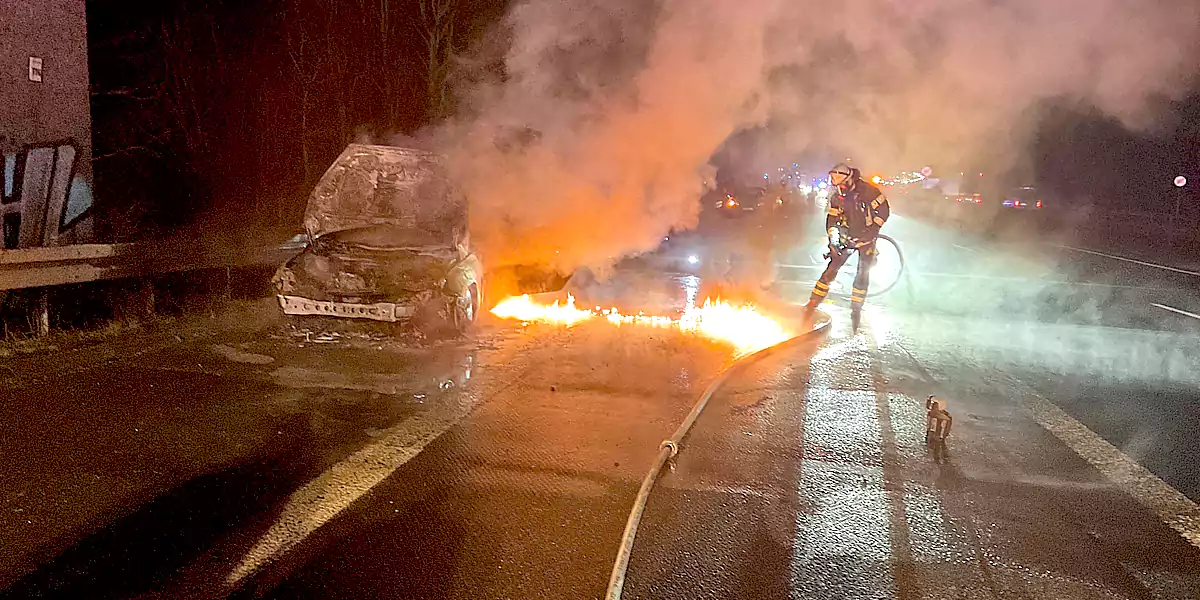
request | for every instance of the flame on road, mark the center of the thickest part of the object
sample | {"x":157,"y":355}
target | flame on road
{"x":743,"y":327}
{"x":523,"y":308}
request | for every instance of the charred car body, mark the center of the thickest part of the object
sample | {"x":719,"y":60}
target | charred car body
{"x":387,"y":241}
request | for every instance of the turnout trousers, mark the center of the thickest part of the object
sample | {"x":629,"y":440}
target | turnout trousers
{"x":862,"y":279}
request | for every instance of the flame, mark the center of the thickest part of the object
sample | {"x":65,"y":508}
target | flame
{"x":523,"y":308}
{"x":742,"y":327}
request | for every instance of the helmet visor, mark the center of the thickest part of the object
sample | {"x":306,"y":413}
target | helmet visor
{"x":839,"y":174}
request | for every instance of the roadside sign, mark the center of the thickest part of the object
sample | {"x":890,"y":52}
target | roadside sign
{"x":35,"y":69}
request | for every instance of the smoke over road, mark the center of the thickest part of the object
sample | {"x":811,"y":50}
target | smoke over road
{"x":591,"y":139}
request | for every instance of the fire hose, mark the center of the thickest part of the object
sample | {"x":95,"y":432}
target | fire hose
{"x":881,"y":240}
{"x":670,"y":447}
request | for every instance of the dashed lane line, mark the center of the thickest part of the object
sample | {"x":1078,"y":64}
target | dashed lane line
{"x":1133,"y":260}
{"x":1176,"y":310}
{"x":980,"y":277}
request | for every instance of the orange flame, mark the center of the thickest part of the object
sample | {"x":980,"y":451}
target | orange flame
{"x":742,"y":327}
{"x":523,"y":308}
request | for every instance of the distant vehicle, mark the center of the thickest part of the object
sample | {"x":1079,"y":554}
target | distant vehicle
{"x":746,"y":201}
{"x":965,"y":199}
{"x":966,"y":190}
{"x":1022,"y":198}
{"x":387,"y":241}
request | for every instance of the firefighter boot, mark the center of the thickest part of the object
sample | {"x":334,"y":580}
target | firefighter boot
{"x":820,"y":290}
{"x":857,"y":297}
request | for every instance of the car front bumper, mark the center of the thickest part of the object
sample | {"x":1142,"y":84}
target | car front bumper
{"x":381,"y":311}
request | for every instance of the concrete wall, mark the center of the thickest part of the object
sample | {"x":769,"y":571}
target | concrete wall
{"x":45,"y":127}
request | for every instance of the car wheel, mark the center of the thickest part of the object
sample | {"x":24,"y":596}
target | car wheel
{"x":466,"y":313}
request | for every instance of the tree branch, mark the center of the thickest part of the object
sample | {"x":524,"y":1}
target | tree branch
{"x":132,"y":93}
{"x":129,"y":150}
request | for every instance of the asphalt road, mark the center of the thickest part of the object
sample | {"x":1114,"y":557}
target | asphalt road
{"x":246,"y":459}
{"x":1107,"y":336}
{"x":810,"y":479}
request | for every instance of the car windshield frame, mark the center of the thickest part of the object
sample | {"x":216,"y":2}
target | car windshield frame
{"x":374,"y":238}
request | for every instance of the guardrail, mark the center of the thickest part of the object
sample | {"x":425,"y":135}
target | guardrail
{"x":43,"y":267}
{"x":31,"y":268}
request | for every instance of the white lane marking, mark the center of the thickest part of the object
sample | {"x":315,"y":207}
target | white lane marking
{"x":1172,"y":507}
{"x":1022,"y":280}
{"x":1027,"y":280}
{"x":1176,"y":310}
{"x":338,"y":487}
{"x":1134,"y":261}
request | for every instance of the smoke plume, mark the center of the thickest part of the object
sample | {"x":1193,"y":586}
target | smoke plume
{"x":585,"y":126}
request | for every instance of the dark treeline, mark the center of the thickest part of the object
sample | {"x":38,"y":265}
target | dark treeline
{"x":223,"y":114}
{"x":1086,"y":156}
{"x":210,"y":113}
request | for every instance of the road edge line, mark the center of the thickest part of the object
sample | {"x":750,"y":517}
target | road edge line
{"x":1133,"y":260}
{"x":1171,"y":506}
{"x":1175,"y":310}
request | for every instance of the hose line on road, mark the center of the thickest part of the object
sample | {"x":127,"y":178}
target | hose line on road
{"x":670,"y":447}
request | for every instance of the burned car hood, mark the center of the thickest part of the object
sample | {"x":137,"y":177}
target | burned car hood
{"x":380,"y":262}
{"x":373,"y":185}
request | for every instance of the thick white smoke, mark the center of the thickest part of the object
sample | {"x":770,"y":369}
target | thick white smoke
{"x":590,"y":140}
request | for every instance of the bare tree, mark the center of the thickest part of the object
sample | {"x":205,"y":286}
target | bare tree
{"x":323,"y":70}
{"x":180,"y":116}
{"x":185,"y":83}
{"x":437,"y":19}
{"x":302,"y":52}
{"x":165,"y":118}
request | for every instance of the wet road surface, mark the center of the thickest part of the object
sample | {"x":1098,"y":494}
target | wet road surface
{"x":1085,"y":330}
{"x":240,"y":460}
{"x":237,"y":462}
{"x":811,"y":479}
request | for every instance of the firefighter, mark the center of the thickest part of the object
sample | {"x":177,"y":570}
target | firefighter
{"x":857,"y":210}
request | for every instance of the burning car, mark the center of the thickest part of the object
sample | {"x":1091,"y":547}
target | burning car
{"x":387,"y":241}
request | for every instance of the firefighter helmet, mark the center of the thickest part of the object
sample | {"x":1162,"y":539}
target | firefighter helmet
{"x":843,"y":175}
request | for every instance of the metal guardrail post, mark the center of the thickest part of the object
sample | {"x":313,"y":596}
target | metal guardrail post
{"x":141,"y":303}
{"x":41,"y":312}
